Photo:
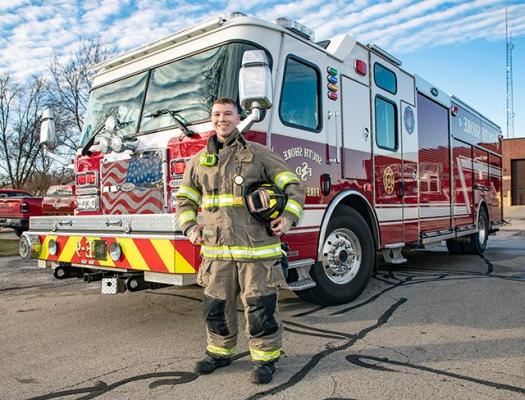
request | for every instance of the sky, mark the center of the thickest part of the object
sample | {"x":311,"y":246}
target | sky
{"x":458,"y":46}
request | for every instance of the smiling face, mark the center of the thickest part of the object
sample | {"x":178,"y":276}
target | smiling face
{"x":224,"y":119}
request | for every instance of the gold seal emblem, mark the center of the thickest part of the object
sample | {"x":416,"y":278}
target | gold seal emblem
{"x":388,"y":180}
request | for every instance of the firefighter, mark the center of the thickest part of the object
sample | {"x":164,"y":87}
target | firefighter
{"x":240,"y":255}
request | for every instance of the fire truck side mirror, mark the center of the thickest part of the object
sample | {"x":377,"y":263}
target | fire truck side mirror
{"x":255,"y":81}
{"x":47,"y":128}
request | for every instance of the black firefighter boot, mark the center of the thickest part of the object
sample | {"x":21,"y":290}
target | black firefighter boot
{"x":263,"y":373}
{"x":211,"y":363}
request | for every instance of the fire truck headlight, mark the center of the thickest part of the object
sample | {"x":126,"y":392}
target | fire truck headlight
{"x":103,"y":144}
{"x":115,"y":251}
{"x":52,"y":247}
{"x":117,"y":144}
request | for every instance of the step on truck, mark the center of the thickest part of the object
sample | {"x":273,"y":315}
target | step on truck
{"x":388,"y":160}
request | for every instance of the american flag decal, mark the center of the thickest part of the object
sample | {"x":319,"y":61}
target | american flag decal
{"x":133,"y":186}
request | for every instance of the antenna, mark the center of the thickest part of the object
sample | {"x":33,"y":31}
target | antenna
{"x":510,"y":95}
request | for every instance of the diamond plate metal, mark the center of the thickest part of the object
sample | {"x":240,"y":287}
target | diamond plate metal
{"x":165,"y":223}
{"x":170,"y":279}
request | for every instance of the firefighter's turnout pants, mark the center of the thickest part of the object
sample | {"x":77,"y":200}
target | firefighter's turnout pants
{"x":257,"y":282}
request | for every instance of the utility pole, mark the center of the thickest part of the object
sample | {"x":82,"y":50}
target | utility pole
{"x":510,"y":95}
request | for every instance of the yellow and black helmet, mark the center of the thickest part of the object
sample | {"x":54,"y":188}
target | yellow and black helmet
{"x":264,"y":201}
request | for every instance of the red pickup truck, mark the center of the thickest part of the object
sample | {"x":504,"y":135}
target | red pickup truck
{"x":16,"y":206}
{"x":59,"y":200}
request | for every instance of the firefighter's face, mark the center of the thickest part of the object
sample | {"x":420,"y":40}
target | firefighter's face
{"x":224,"y":118}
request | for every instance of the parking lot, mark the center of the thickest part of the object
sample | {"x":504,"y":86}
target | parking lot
{"x":439,"y":326}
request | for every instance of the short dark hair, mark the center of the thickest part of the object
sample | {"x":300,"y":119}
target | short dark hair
{"x":225,"y":101}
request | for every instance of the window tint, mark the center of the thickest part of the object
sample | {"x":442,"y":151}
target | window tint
{"x":386,"y":123}
{"x":385,"y":79}
{"x":189,"y":86}
{"x":300,"y":99}
{"x":19,"y":194}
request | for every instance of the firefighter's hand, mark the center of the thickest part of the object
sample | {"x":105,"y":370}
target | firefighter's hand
{"x":195,"y":235}
{"x":280,"y":226}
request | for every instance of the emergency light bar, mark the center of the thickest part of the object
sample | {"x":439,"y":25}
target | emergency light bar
{"x":296,"y":27}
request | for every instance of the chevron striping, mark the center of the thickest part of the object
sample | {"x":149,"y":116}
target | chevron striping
{"x":182,"y":266}
{"x":166,"y":252}
{"x":67,"y":253}
{"x":133,"y":255}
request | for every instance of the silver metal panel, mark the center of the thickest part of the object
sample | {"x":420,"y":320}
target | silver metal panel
{"x":106,"y":223}
{"x":170,"y":279}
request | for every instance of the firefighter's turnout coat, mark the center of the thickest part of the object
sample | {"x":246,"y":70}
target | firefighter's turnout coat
{"x":215,"y":179}
{"x":239,"y":255}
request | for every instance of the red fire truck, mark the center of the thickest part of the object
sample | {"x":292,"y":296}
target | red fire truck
{"x":388,"y":160}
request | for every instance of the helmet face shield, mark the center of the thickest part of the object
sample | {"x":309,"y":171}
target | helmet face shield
{"x":264,"y":201}
{"x":258,"y":201}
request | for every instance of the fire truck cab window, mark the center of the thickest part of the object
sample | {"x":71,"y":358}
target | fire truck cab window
{"x":385,"y":79}
{"x":186,"y":88}
{"x":300,"y":98}
{"x":386,"y":123}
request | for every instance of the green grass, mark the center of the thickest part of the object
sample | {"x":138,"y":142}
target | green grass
{"x":8,"y":247}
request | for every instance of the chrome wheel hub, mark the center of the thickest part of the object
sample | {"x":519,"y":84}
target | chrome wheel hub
{"x":341,"y":256}
{"x":482,"y":234}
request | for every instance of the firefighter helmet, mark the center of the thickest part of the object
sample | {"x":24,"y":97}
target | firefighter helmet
{"x":264,"y":201}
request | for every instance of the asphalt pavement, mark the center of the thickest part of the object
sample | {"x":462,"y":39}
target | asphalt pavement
{"x":440,"y":326}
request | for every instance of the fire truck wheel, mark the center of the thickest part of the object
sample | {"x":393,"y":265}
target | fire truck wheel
{"x":347,"y":260}
{"x":477,"y":243}
{"x":454,"y":246}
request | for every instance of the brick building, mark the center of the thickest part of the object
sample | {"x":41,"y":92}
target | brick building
{"x":513,"y":171}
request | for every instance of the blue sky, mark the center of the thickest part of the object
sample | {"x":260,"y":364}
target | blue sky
{"x":457,"y":45}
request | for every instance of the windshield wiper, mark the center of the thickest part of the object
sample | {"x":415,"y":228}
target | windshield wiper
{"x":176,"y":118}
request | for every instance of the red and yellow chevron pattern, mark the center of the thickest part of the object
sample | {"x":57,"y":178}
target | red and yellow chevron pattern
{"x":155,"y":255}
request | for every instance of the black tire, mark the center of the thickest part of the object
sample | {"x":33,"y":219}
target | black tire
{"x":348,"y":238}
{"x":454,"y":246}
{"x":62,"y":273}
{"x":477,"y":243}
{"x":135,"y":284}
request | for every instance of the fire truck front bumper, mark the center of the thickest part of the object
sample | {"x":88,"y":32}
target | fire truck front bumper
{"x":147,"y":243}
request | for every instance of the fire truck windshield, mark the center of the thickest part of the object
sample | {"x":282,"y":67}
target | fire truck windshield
{"x":121,"y":99}
{"x":188,"y":85}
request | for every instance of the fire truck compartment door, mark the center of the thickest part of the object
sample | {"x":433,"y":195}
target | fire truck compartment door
{"x":356,"y":132}
{"x":395,"y":150}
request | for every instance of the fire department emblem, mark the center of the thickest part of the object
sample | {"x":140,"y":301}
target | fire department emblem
{"x":388,"y":180}
{"x":304,"y":171}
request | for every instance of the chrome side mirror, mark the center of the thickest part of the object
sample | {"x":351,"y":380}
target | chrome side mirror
{"x":255,"y":81}
{"x":47,"y":128}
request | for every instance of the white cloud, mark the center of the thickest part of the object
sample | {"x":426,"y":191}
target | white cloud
{"x":31,"y":31}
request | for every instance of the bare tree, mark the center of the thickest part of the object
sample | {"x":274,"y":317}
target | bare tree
{"x":20,"y":112}
{"x":70,"y":84}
